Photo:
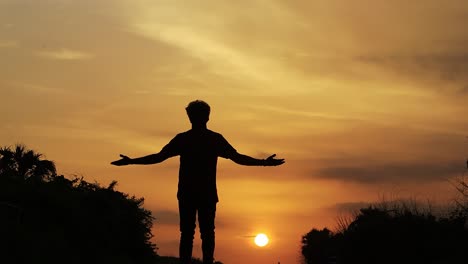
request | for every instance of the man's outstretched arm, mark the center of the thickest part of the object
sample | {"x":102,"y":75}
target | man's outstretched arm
{"x":249,"y":161}
{"x":150,"y":159}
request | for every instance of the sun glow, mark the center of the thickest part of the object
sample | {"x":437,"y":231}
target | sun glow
{"x":261,"y":240}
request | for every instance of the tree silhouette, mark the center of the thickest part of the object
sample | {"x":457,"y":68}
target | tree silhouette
{"x":25,"y":164}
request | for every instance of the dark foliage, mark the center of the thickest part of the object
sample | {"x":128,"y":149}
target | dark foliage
{"x":47,"y":218}
{"x":319,"y":246}
{"x":461,"y":204}
{"x":379,"y":235}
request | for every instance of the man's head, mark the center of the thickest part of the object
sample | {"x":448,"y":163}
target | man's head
{"x":198,"y":112}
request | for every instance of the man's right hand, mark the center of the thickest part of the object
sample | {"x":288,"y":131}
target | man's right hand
{"x":123,"y":161}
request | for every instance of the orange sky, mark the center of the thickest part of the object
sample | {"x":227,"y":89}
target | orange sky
{"x":363,"y":98}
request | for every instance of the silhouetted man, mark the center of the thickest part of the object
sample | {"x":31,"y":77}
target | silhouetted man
{"x":199,"y":149}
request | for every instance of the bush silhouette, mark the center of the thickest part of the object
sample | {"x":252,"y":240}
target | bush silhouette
{"x":47,"y":218}
{"x":319,"y":246}
{"x":397,"y":235}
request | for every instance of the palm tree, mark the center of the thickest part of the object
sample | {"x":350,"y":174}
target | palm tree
{"x":25,"y":164}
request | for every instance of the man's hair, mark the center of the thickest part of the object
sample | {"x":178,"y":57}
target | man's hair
{"x":198,"y":111}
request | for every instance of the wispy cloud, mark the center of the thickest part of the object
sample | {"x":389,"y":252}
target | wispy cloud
{"x":193,"y":33}
{"x":65,"y":54}
{"x":347,"y":207}
{"x":202,"y":46}
{"x":166,"y":217}
{"x":8,"y":44}
{"x":445,"y":67}
{"x":142,"y":92}
{"x":36,"y":88}
{"x":392,"y":172}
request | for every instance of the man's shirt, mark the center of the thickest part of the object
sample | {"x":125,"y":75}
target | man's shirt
{"x":199,"y":151}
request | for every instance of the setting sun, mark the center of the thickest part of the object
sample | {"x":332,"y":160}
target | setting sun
{"x":261,"y":240}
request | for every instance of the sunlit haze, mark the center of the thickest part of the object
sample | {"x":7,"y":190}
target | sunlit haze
{"x":363,"y":98}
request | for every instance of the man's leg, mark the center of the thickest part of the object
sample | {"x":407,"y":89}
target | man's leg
{"x":206,"y":219}
{"x":187,"y":214}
